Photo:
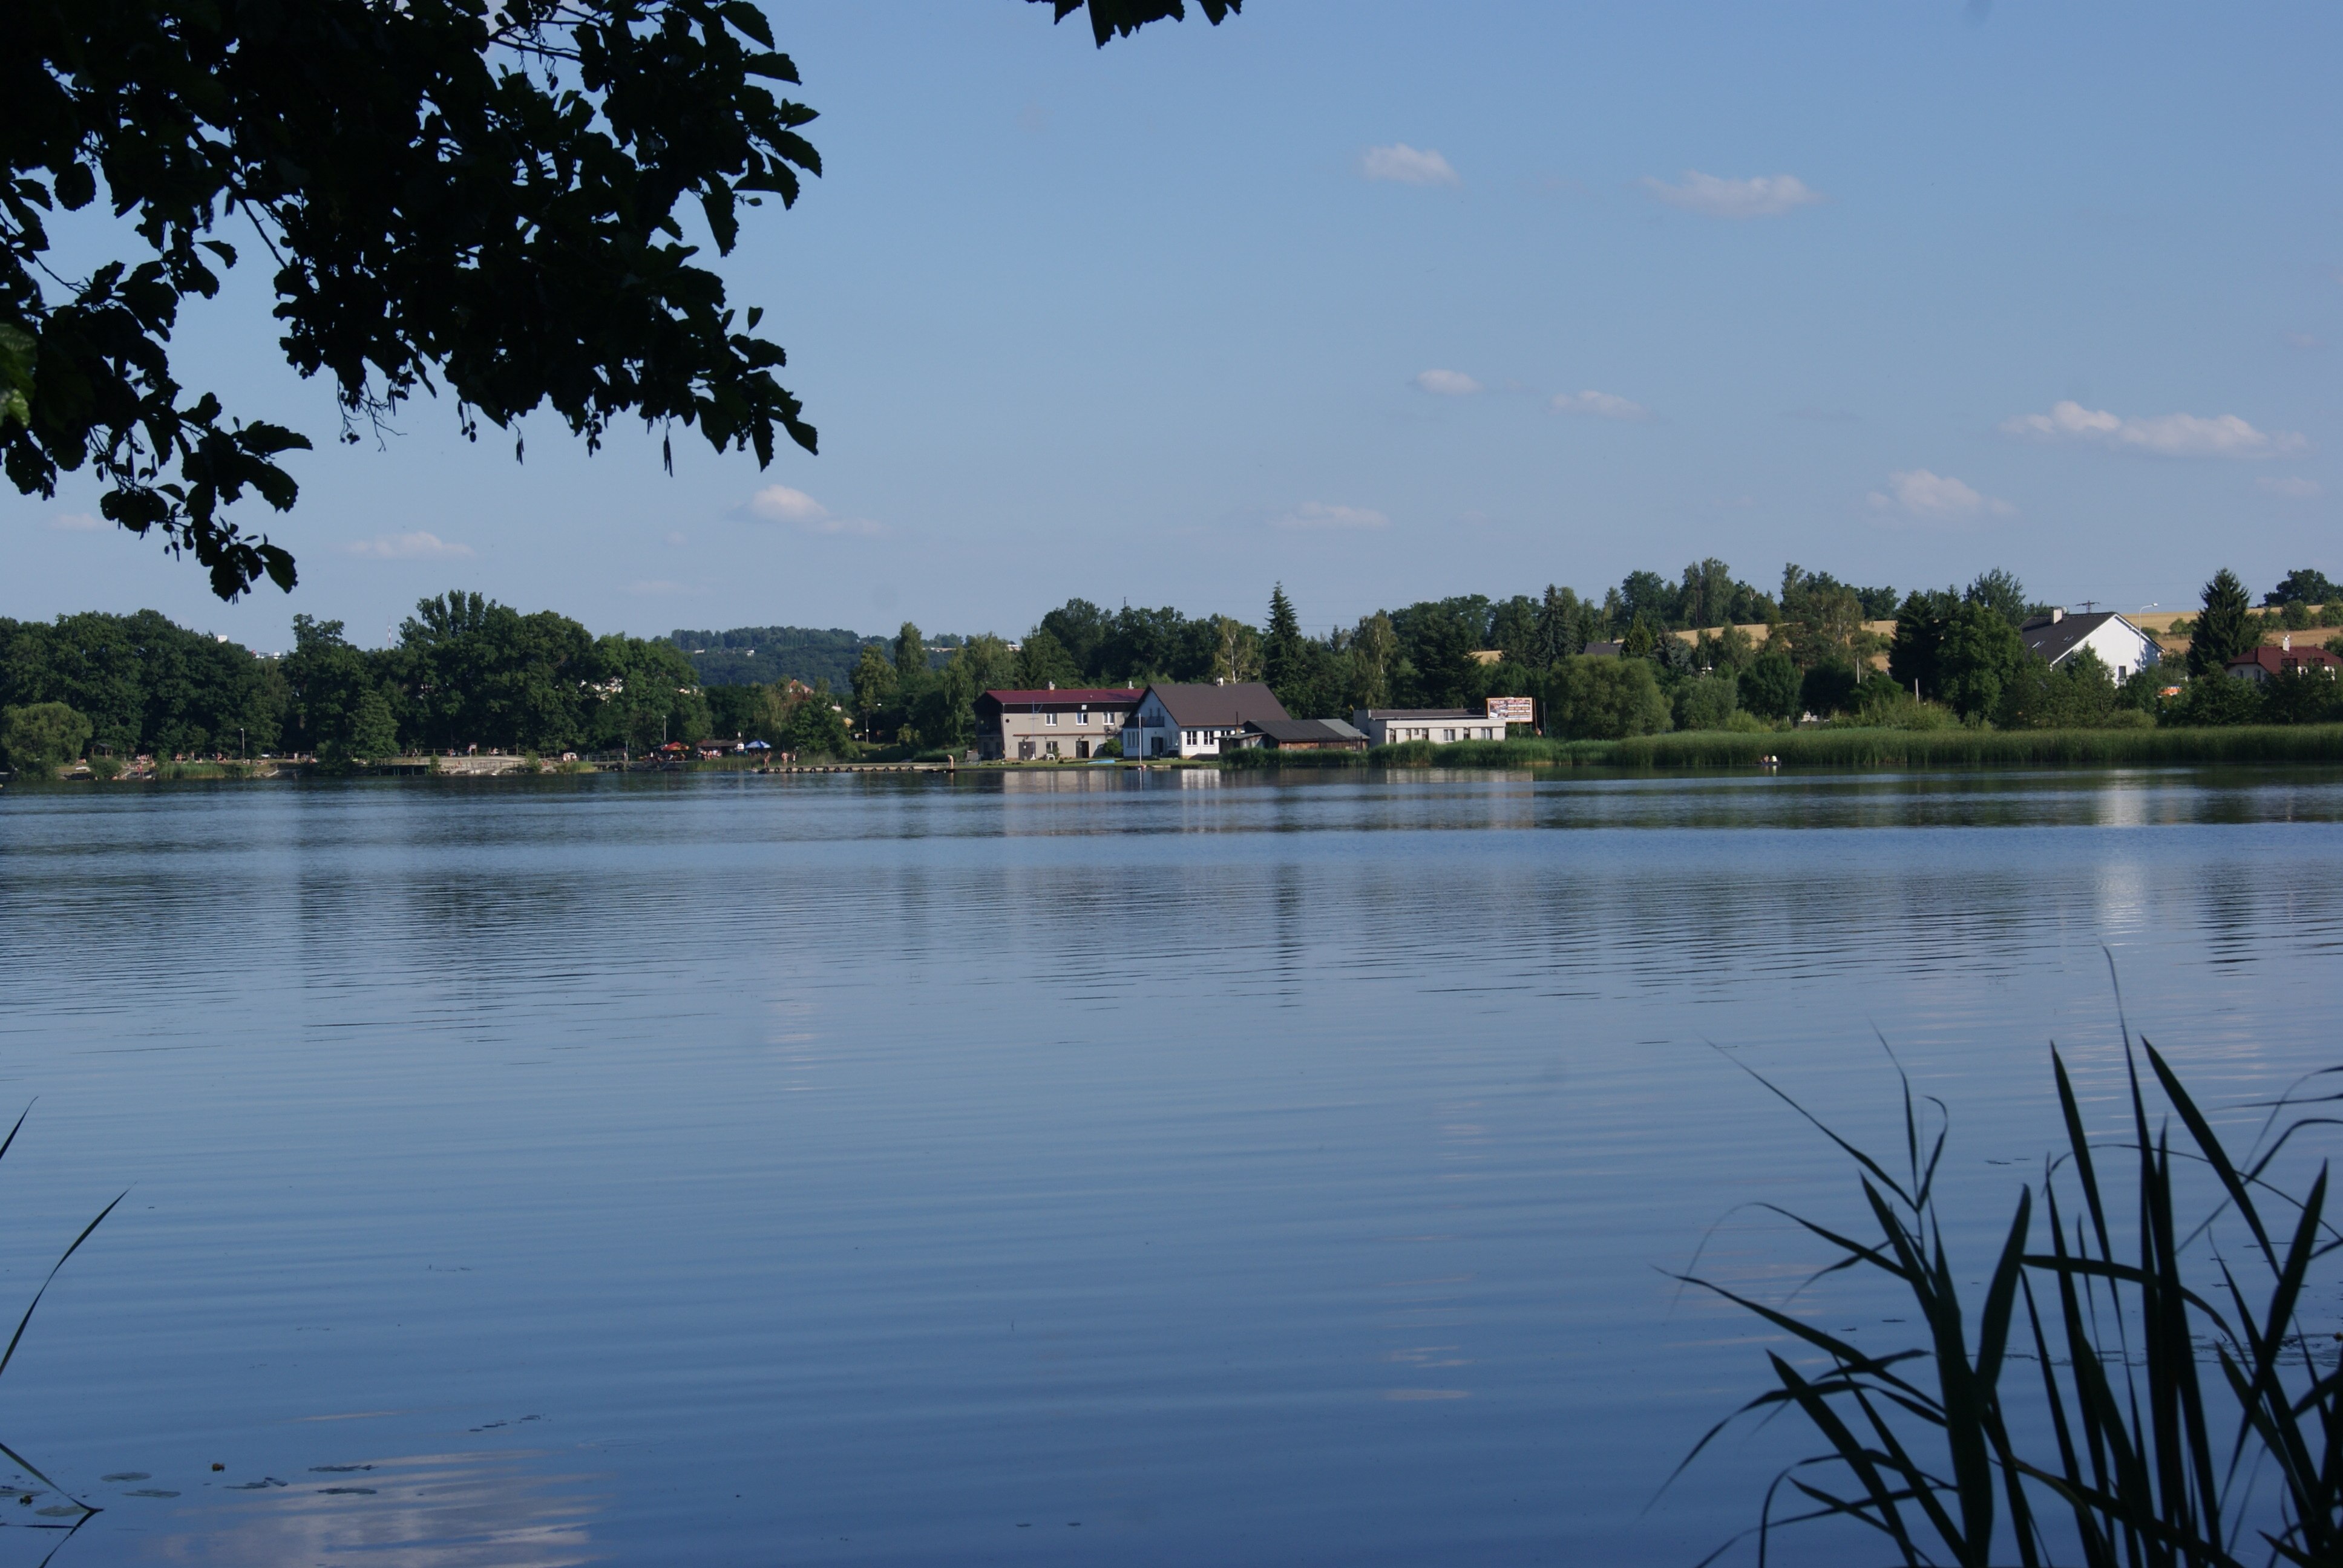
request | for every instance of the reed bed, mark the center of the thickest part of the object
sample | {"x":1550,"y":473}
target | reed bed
{"x":2191,"y":1405}
{"x":1984,"y":747}
{"x":1850,"y":748}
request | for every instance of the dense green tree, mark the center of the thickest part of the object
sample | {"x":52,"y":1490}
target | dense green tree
{"x":2000,"y":592}
{"x":1595,"y":698}
{"x":1707,"y":702}
{"x":146,"y":684}
{"x":1827,"y":689}
{"x":374,"y":729}
{"x":2304,"y":586}
{"x":1770,"y":686}
{"x":42,"y":736}
{"x":1282,"y":647}
{"x":911,"y":661}
{"x":1373,"y":651}
{"x":2224,"y":629}
{"x":1079,"y":627}
{"x":817,"y":728}
{"x":874,"y":687}
{"x":1640,"y":639}
{"x":484,"y":197}
{"x":1513,"y":631}
{"x":1979,"y":655}
{"x":2301,"y":696}
{"x":1647,"y":597}
{"x":327,"y":681}
{"x":1436,"y":667}
{"x":2216,"y":698}
{"x":1044,"y":661}
{"x":1565,"y":624}
{"x":2077,"y":693}
{"x":1920,"y":623}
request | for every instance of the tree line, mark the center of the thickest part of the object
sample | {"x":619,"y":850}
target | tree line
{"x":465,"y":672}
{"x":468,"y":672}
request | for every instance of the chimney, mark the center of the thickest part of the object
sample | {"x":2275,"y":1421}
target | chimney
{"x":1219,"y":680}
{"x":2058,"y":614}
{"x":1053,"y":686}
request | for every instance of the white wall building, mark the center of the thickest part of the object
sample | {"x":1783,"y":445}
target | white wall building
{"x":1056,"y":723}
{"x":1192,"y":720}
{"x":1441,"y":726}
{"x":2122,"y":646}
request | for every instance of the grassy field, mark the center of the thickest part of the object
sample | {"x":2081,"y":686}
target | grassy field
{"x":1852,"y":749}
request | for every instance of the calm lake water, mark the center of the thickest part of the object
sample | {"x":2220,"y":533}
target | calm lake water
{"x":1081,"y":1168}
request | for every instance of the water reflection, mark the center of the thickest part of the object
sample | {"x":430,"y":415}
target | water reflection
{"x":1250,"y":1169}
{"x":417,"y":1511}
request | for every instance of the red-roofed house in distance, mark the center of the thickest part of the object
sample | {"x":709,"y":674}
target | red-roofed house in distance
{"x":2272,"y":659}
{"x":1055,"y":723}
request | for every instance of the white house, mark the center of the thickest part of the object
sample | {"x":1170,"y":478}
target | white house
{"x":1192,"y":720}
{"x":2122,"y":646}
{"x":1441,"y":726}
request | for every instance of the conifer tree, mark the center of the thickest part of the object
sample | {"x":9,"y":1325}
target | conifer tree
{"x":2222,"y":632}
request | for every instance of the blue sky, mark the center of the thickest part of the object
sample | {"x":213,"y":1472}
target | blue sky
{"x":1392,"y":301}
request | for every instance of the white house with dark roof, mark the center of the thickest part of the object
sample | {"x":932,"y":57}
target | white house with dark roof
{"x":2122,"y":646}
{"x":1192,"y":720}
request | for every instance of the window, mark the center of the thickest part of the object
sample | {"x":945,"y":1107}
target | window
{"x":1083,"y":716}
{"x":1048,"y":719}
{"x":1448,"y":735}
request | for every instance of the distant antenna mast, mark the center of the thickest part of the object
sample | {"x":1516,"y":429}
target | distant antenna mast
{"x":2090,"y":605}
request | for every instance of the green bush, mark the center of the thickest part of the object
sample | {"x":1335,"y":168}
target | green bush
{"x":2216,"y":700}
{"x":42,"y":736}
{"x":1605,"y":699}
{"x":1708,"y":701}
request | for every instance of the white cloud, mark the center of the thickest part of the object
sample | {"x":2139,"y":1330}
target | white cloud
{"x":2293,"y":486}
{"x":1319,"y":515}
{"x":1597,"y":405}
{"x":1767,"y":196}
{"x":1448,"y":383}
{"x":1918,"y":492}
{"x":2165,"y":435}
{"x":1405,"y":166}
{"x":76,"y":523}
{"x":414,"y":547}
{"x":780,"y":504}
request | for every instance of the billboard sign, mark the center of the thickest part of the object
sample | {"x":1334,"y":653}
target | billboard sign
{"x":1512,"y":710}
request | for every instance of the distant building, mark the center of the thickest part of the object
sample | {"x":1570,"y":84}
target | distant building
{"x":1441,"y":726}
{"x":1296,"y":734}
{"x":1602,"y":649}
{"x":1069,"y":722}
{"x":2122,"y":646}
{"x":1193,"y":720}
{"x":2272,"y":659}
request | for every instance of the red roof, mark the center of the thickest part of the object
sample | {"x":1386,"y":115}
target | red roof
{"x":2276,"y":661}
{"x":1068,"y":697}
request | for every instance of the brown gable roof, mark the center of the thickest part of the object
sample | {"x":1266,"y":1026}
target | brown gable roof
{"x":1199,"y":707}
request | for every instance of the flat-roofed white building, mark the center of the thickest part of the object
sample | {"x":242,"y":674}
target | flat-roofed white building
{"x":1440,"y":726}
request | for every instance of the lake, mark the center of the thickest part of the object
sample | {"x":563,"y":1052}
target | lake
{"x":1072,"y":1166}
